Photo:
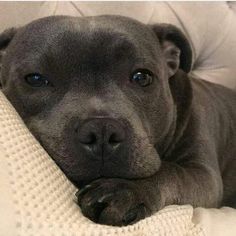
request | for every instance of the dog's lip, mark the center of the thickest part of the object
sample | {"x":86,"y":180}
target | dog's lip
{"x":82,"y":183}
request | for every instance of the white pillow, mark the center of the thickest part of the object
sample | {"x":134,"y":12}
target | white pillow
{"x":37,"y":199}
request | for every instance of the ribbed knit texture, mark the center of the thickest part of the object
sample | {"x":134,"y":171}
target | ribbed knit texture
{"x":43,"y":198}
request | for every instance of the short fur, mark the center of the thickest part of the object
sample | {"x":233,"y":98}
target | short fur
{"x":180,"y":132}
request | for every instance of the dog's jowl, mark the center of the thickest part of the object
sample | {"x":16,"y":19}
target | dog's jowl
{"x":111,"y":101}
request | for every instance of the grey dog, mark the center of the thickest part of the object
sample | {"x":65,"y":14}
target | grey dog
{"x":111,"y":101}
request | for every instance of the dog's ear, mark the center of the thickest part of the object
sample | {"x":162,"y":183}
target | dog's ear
{"x":175,"y":46}
{"x":5,"y":39}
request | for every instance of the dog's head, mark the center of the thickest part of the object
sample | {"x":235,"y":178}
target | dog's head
{"x":95,"y":91}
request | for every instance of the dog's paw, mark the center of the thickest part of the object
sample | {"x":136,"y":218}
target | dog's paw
{"x":112,"y":202}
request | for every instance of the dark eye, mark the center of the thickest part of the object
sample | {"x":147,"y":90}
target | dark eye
{"x":36,"y":80}
{"x":142,"y":77}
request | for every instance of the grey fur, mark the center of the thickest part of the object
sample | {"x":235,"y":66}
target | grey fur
{"x":180,"y":132}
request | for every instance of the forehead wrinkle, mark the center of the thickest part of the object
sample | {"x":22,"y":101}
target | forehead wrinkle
{"x":82,"y":50}
{"x":95,"y":52}
{"x":109,"y":44}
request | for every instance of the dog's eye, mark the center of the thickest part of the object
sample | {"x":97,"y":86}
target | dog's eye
{"x":142,"y":77}
{"x":36,"y":80}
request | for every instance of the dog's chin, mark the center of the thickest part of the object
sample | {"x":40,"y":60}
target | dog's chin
{"x":80,"y":180}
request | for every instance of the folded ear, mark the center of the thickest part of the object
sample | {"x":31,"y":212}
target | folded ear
{"x":5,"y":38}
{"x":175,"y":46}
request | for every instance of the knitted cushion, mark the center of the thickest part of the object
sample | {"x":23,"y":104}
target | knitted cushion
{"x":36,"y":199}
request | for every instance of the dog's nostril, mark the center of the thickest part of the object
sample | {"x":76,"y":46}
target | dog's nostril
{"x":114,"y":140}
{"x":90,"y":139}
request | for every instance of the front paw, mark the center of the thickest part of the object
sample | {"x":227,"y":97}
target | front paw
{"x":113,"y":202}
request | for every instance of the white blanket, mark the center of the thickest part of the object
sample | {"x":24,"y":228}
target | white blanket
{"x":36,"y":199}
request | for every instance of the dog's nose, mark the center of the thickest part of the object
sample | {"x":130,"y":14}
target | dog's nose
{"x":101,"y":137}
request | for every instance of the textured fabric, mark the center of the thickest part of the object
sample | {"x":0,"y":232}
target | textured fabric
{"x":210,"y":27}
{"x":36,"y":199}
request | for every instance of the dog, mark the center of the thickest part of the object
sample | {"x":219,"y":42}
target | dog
{"x":111,"y":101}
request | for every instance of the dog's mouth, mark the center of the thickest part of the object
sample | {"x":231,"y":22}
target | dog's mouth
{"x":143,"y":161}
